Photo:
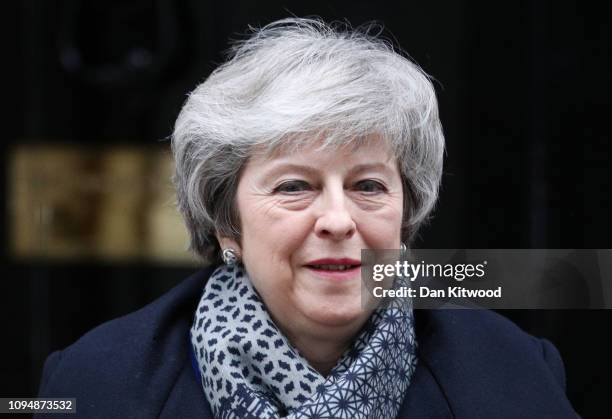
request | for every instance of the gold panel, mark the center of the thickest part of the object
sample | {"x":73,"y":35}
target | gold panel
{"x":109,"y":204}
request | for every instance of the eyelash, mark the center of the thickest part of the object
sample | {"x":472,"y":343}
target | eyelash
{"x":379,"y":185}
{"x":283,"y":185}
{"x":282,"y":188}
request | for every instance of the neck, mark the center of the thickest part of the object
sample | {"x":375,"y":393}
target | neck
{"x":323,"y":352}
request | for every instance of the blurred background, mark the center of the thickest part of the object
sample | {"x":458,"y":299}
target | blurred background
{"x":92,"y":89}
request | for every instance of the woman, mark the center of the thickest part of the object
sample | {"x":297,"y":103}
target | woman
{"x":310,"y":144}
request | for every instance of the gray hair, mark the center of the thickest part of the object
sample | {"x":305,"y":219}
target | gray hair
{"x":292,"y":81}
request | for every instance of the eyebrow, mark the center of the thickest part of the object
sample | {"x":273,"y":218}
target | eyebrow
{"x":371,"y":166}
{"x":309,"y":170}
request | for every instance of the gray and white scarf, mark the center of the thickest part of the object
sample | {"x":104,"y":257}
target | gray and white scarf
{"x":249,"y":369}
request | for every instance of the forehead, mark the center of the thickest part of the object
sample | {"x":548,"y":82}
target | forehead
{"x":372,"y":149}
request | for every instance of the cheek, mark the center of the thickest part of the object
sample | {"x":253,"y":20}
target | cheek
{"x":272,"y":234}
{"x":382,"y":229}
{"x":270,"y":240}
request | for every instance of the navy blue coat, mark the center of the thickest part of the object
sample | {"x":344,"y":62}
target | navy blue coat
{"x":471,"y":364}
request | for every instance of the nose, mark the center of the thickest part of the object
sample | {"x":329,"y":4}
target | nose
{"x":334,"y":220}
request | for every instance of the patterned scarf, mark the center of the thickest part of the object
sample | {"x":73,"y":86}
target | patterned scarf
{"x":249,"y":369}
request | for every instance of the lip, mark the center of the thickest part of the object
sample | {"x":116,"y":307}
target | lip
{"x":350,"y":273}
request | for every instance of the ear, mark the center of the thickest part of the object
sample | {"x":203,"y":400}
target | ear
{"x":226,"y":242}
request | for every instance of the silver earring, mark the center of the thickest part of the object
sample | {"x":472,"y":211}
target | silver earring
{"x":229,"y":256}
{"x":403,"y":249}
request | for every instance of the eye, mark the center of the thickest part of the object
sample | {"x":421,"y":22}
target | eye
{"x":370,"y":186}
{"x":293,"y":186}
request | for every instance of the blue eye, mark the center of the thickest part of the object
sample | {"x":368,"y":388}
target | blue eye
{"x":370,"y":186}
{"x":293,"y":186}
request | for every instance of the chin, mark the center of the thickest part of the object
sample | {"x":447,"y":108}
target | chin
{"x":336,"y":314}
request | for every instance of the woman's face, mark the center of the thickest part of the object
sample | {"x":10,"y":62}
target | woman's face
{"x":305,"y":218}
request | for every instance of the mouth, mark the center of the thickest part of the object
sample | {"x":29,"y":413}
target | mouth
{"x":336,"y":269}
{"x":331,"y":267}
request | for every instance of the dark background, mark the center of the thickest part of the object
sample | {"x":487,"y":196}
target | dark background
{"x":524,"y":92}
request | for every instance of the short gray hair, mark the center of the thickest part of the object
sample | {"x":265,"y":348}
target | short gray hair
{"x":293,"y":80}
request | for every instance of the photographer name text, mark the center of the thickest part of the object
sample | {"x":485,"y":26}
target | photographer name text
{"x":426,"y":292}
